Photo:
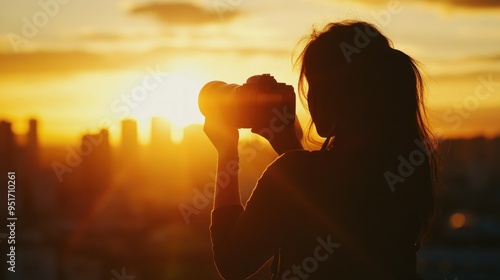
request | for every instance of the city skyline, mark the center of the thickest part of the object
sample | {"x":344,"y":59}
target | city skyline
{"x":117,"y":207}
{"x":139,"y":60}
{"x":159,"y":128}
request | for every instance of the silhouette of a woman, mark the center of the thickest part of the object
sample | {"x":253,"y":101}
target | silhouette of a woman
{"x":357,"y":209}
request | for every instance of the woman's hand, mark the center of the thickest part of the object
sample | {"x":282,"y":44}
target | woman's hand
{"x":282,"y":138}
{"x":223,"y":137}
{"x":225,"y":140}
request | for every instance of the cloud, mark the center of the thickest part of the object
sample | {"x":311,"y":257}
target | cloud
{"x":99,"y":36}
{"x":468,"y":75}
{"x":474,"y":4}
{"x":242,"y":51}
{"x":183,"y":13}
{"x":471,"y":3}
{"x":50,"y":62}
{"x":489,"y":58}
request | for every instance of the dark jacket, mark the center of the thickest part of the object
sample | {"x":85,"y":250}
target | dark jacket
{"x":326,"y":215}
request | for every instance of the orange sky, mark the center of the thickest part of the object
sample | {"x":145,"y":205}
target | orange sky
{"x":76,"y":65}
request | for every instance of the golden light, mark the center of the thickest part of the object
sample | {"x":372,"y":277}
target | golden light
{"x":457,"y":220}
{"x":179,"y":100}
{"x":175,"y":99}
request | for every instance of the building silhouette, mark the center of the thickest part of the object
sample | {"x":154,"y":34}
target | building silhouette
{"x":96,"y":167}
{"x":7,"y":146}
{"x":21,"y":157}
{"x":160,"y":134}
{"x":129,"y":140}
{"x":32,"y":145}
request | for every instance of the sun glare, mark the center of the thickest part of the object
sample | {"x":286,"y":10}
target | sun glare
{"x":177,"y":134}
{"x":179,"y":100}
{"x":175,"y":99}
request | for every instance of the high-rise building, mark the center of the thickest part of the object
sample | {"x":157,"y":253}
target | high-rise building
{"x":33,"y":133}
{"x":32,"y":145}
{"x":96,"y":153}
{"x":7,"y":161}
{"x":160,"y":134}
{"x":7,"y":146}
{"x":21,"y":158}
{"x":129,"y":140}
{"x":96,"y":167}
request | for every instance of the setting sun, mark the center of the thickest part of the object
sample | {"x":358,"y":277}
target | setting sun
{"x":175,"y":100}
{"x":179,"y":101}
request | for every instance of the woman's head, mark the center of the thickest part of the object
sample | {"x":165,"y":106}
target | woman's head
{"x":354,"y":80}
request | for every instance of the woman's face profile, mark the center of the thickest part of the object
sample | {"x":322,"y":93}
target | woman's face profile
{"x":321,"y":110}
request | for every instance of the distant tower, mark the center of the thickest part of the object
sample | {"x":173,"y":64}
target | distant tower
{"x":160,"y":133}
{"x":96,"y":165}
{"x":7,"y":163}
{"x":7,"y":147}
{"x":97,"y":160}
{"x":33,"y":132}
{"x":32,"y":144}
{"x":129,"y":142}
{"x":30,"y":164}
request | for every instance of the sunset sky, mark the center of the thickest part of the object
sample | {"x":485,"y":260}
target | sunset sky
{"x":78,"y":66}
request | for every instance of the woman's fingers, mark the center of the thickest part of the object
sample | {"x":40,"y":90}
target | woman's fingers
{"x":222,"y":136}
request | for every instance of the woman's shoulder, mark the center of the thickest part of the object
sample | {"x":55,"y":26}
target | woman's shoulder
{"x":296,"y":160}
{"x":287,"y":172}
{"x":305,"y":154}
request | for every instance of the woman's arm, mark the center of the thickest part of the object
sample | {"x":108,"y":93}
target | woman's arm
{"x":227,"y":191}
{"x":243,"y":239}
{"x":283,"y":138}
{"x":225,"y":140}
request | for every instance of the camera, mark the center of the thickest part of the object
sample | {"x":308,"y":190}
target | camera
{"x":258,"y":103}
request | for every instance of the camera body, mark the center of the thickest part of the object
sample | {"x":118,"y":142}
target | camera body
{"x":258,"y":103}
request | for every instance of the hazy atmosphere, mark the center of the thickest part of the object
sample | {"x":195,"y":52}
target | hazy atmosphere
{"x":75,"y":65}
{"x":101,"y":138}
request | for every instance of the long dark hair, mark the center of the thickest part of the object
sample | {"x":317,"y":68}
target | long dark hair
{"x":371,"y":85}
